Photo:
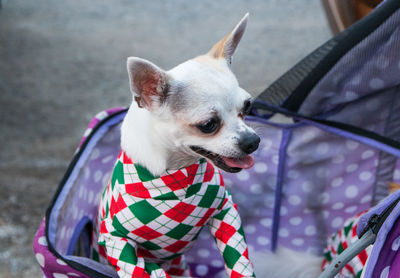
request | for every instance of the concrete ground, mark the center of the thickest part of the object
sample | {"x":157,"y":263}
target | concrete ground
{"x":63,"y":61}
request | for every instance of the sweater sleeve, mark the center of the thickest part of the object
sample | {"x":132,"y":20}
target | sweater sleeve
{"x":227,"y":230}
{"x":122,"y":253}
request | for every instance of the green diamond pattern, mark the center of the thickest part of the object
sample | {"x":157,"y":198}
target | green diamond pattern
{"x":144,"y":211}
{"x":150,"y":245}
{"x":118,"y":174}
{"x":144,"y":174}
{"x":231,"y":256}
{"x":128,"y":254}
{"x":209,"y":196}
{"x":167,"y":196}
{"x":179,"y":231}
{"x":119,"y":228}
{"x":193,"y":189}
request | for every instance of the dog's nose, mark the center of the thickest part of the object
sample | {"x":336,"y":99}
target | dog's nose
{"x":249,"y":143}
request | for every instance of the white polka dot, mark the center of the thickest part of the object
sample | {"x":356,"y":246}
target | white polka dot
{"x":266,"y":222}
{"x":337,"y":182}
{"x":307,"y":186}
{"x":351,"y":191}
{"x":350,"y":209}
{"x":40,"y":259}
{"x":98,"y":175}
{"x":283,"y":232}
{"x":95,"y":154}
{"x":217,"y":263}
{"x":107,"y":159}
{"x":251,"y":248}
{"x":298,"y":241}
{"x":351,"y":145}
{"x":249,"y":229}
{"x":243,"y":175}
{"x":266,"y":144}
{"x":372,"y":105}
{"x":385,"y":272}
{"x":366,"y":199}
{"x":228,"y":182}
{"x":364,"y":176}
{"x":256,"y":188}
{"x":325,"y":214}
{"x":293,"y":174}
{"x":338,"y":159}
{"x":42,"y":241}
{"x":60,"y":262}
{"x":339,"y":205}
{"x":260,"y":167}
{"x":59,"y":275}
{"x":271,"y":181}
{"x":62,"y":233}
{"x":87,"y":173}
{"x":275,"y":159}
{"x":350,"y":95}
{"x":310,"y":230}
{"x":284,"y":211}
{"x":90,"y":198}
{"x":367,"y":154}
{"x":202,"y":269}
{"x":351,"y":168}
{"x":396,"y":244}
{"x":203,"y":253}
{"x":204,"y":236}
{"x":73,"y":274}
{"x":382,"y":62}
{"x":263,"y":240}
{"x":322,"y":172}
{"x":396,"y":175}
{"x":324,"y":198}
{"x":294,"y":200}
{"x":308,"y":136}
{"x":337,"y":222}
{"x":322,"y":148}
{"x":295,"y":221}
{"x":356,"y":80}
{"x":376,"y":83}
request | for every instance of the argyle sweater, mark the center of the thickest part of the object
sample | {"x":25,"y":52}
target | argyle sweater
{"x":339,"y":242}
{"x":146,"y":223}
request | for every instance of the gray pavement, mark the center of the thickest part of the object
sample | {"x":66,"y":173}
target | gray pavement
{"x":63,"y":61}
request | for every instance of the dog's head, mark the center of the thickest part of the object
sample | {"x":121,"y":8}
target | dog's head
{"x":198,"y":106}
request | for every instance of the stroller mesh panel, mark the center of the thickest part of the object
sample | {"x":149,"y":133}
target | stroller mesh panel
{"x":83,"y":197}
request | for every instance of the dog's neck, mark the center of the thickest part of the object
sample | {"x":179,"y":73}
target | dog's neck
{"x":143,"y":140}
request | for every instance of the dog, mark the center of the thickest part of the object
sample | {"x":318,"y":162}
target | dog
{"x":181,"y":125}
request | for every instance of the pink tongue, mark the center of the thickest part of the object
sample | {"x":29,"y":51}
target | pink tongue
{"x":245,"y":162}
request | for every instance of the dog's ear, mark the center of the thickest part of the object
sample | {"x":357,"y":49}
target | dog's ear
{"x":148,"y":83}
{"x":227,"y":45}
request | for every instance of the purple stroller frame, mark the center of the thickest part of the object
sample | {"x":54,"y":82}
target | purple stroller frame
{"x":334,"y":161}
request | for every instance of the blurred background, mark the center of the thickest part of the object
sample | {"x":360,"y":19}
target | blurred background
{"x":61,"y":62}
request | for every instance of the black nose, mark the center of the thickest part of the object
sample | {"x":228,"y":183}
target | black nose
{"x":249,"y":143}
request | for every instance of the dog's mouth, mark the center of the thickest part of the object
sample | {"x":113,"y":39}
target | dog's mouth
{"x":228,"y":164}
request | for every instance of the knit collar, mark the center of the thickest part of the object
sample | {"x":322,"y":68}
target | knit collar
{"x":173,"y":184}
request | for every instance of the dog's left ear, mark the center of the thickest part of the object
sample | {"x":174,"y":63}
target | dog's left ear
{"x":227,"y":45}
{"x":148,"y":83}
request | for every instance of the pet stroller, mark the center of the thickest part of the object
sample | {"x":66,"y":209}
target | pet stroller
{"x":333,"y":160}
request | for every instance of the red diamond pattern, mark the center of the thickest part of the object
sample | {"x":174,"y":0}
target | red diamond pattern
{"x":146,"y":233}
{"x":137,"y":189}
{"x":180,"y":212}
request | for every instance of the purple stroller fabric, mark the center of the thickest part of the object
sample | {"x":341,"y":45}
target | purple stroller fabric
{"x":307,"y":180}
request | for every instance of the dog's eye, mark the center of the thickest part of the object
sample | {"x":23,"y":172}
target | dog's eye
{"x":210,"y":126}
{"x":247,"y":107}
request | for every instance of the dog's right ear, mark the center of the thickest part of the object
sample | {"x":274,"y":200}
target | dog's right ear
{"x":148,"y":83}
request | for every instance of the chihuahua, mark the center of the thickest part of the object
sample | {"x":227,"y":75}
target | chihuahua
{"x":182,"y":123}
